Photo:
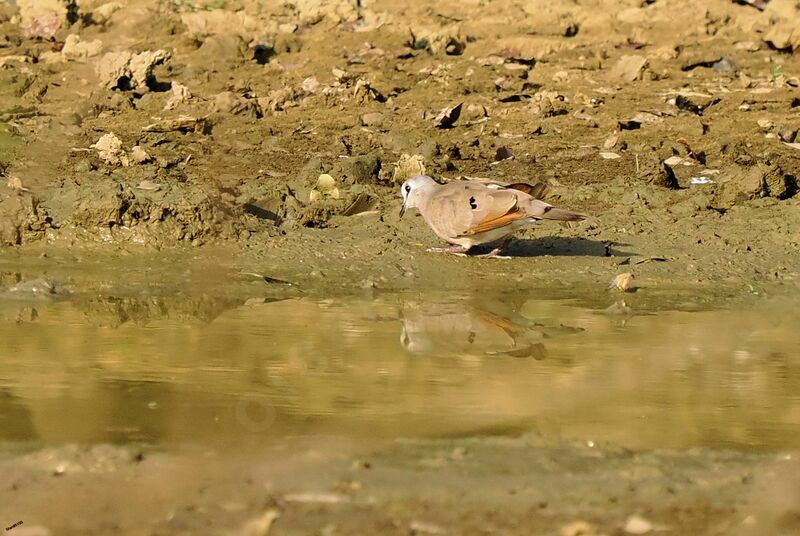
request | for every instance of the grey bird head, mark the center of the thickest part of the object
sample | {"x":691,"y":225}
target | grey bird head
{"x":412,"y":190}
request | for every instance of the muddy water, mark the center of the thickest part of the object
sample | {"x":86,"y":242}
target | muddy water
{"x":389,"y":366}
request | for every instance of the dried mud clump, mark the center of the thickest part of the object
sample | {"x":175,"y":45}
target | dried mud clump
{"x":21,"y":219}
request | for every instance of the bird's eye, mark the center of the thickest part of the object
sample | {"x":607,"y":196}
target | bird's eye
{"x":408,"y":188}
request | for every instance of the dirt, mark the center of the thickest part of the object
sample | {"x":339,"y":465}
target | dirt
{"x":521,"y":485}
{"x":138,"y":137}
{"x":224,"y":114}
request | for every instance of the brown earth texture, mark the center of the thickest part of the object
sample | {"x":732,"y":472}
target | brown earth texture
{"x":155,"y":124}
{"x":268,"y":139}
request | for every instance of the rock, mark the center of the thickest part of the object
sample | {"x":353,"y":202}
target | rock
{"x":41,"y":18}
{"x":310,"y":84}
{"x":435,"y":41}
{"x":326,"y":187}
{"x":316,"y":497}
{"x":766,"y":124}
{"x":35,"y":287}
{"x":75,"y":49}
{"x":666,"y":177}
{"x":102,"y":14}
{"x":779,"y":184}
{"x":148,"y":186}
{"x":228,"y":102}
{"x":628,"y":68}
{"x":261,"y":525}
{"x":127,"y":71}
{"x":182,"y":123}
{"x":372,"y":119}
{"x":422,"y":527}
{"x":447,"y":117}
{"x":475,"y":112}
{"x":622,"y":282}
{"x":104,"y":207}
{"x":178,"y":95}
{"x":578,"y":528}
{"x":787,"y":134}
{"x":139,"y":155}
{"x":360,"y":169}
{"x":611,"y":141}
{"x":784,"y":35}
{"x":738,"y":184}
{"x":408,"y":166}
{"x":109,"y":149}
{"x":638,"y":525}
{"x":205,"y":23}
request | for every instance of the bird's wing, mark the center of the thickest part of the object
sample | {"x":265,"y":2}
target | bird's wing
{"x":468,"y":209}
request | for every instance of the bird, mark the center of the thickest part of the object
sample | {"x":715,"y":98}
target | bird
{"x":458,"y":328}
{"x":468,"y":213}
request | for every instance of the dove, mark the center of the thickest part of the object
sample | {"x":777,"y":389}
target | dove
{"x":454,"y":328}
{"x":468,"y":213}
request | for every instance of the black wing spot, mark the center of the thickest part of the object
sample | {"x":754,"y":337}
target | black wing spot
{"x":473,"y":203}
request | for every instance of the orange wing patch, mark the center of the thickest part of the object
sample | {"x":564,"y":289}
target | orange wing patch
{"x":488,"y":225}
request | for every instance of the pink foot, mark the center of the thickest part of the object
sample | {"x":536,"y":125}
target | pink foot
{"x":453,"y":250}
{"x":495,"y":253}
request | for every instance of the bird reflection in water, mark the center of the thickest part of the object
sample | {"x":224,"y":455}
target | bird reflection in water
{"x":463,"y":327}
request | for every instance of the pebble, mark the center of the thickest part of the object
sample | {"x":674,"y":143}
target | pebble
{"x":623,"y":282}
{"x":638,"y":525}
{"x":261,"y":525}
{"x":421,"y":527}
{"x":577,"y":528}
{"x":765,"y":124}
{"x":372,"y":119}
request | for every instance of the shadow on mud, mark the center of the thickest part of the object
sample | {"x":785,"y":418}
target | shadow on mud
{"x":563,"y":246}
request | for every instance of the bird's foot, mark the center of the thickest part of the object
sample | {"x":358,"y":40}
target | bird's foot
{"x":453,"y":250}
{"x":495,"y":253}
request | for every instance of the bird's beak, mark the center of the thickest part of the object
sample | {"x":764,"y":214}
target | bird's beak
{"x":402,"y":210}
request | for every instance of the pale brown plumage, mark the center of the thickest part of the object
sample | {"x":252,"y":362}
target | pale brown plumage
{"x":468,"y":213}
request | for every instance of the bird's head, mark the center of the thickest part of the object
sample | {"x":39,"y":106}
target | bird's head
{"x":413,"y":190}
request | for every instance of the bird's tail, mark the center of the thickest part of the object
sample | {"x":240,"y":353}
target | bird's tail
{"x":553,"y":213}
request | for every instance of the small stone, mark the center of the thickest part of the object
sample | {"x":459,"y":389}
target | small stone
{"x":623,"y":282}
{"x":578,"y":528}
{"x":408,"y":166}
{"x":75,"y":49}
{"x":310,"y":84}
{"x":372,"y":119}
{"x":638,"y":525}
{"x":109,"y":149}
{"x":422,"y":527}
{"x":326,"y":182}
{"x":765,"y":124}
{"x":629,"y":68}
{"x":787,"y":134}
{"x":102,"y":14}
{"x":148,"y":186}
{"x":611,"y":141}
{"x":447,"y":117}
{"x":179,"y":95}
{"x":262,"y":525}
{"x":139,"y":155}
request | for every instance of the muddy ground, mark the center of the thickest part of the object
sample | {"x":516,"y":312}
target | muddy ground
{"x":217,"y":119}
{"x":142,"y":139}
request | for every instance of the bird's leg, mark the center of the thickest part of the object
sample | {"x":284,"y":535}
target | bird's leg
{"x":453,"y":250}
{"x":495,"y":253}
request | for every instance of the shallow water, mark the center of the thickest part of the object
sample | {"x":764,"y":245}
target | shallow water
{"x":219,"y":372}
